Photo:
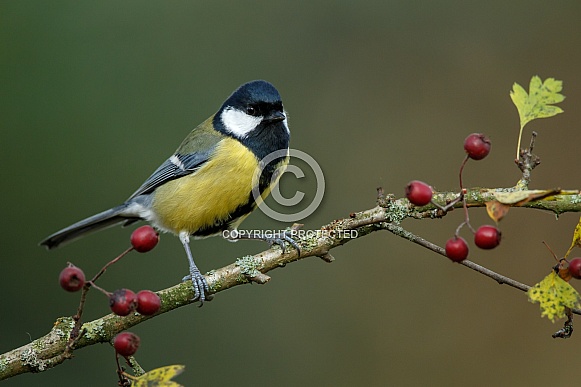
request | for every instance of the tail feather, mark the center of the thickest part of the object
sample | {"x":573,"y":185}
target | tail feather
{"x":92,"y":224}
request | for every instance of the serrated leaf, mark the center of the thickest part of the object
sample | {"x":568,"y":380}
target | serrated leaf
{"x":538,"y":102}
{"x":554,"y":295}
{"x":159,"y":377}
{"x":520,"y":97}
{"x":576,"y":238}
{"x":547,"y":92}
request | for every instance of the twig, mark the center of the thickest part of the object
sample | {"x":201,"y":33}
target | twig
{"x":399,"y":231}
{"x":526,"y":162}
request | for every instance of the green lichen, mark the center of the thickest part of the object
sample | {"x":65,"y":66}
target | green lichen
{"x":29,"y":358}
{"x":396,"y":212}
{"x":3,"y":364}
{"x":63,"y":327}
{"x":309,"y":243}
{"x":216,"y":286}
{"x":473,"y":195}
{"x":248,"y":267}
{"x":218,"y":282}
{"x":62,"y":334}
{"x":94,"y":330}
{"x":38,"y":345}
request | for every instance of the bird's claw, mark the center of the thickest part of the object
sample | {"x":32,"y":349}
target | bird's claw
{"x":280,"y":240}
{"x":200,"y":286}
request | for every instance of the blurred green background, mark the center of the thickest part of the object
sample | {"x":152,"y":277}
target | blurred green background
{"x":95,"y":95}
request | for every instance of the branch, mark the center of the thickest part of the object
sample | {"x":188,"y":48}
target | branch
{"x":55,"y":347}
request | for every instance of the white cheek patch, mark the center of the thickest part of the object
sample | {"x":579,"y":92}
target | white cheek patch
{"x":238,"y":122}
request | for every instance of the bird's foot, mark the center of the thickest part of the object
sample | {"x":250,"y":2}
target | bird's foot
{"x":199,"y":285}
{"x":280,"y":239}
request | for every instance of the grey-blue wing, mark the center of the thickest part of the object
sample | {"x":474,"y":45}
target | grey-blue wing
{"x":175,"y":167}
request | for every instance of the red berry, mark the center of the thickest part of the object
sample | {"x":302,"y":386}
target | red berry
{"x":487,"y":237}
{"x":575,"y":268}
{"x":418,"y":193}
{"x":148,"y":302}
{"x":72,"y":279}
{"x":456,"y":249}
{"x":144,"y":239}
{"x":123,"y":302}
{"x":126,"y":343}
{"x":477,"y":145}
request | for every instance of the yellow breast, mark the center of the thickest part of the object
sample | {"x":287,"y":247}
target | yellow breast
{"x":209,"y":195}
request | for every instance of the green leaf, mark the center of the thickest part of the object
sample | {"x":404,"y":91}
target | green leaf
{"x":520,"y":97}
{"x":538,"y":102}
{"x":554,"y":295}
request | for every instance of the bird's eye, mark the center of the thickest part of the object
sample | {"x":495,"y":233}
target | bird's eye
{"x":251,"y":110}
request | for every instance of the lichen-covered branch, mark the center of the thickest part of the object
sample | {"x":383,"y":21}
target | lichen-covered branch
{"x":51,"y":349}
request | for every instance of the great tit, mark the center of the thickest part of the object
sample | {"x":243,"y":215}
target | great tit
{"x":206,"y":186}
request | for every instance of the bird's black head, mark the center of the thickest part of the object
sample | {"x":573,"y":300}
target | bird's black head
{"x":253,"y":93}
{"x":254,"y":115}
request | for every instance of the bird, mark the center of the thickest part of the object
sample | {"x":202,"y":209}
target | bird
{"x":212,"y":182}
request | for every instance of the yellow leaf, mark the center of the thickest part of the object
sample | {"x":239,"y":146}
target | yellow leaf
{"x":496,"y":210}
{"x":538,"y":103}
{"x":159,"y":377}
{"x":554,"y":295}
{"x":511,"y":197}
{"x":521,"y":197}
{"x":576,"y":238}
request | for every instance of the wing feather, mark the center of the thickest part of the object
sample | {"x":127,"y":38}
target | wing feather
{"x":175,"y":167}
{"x":187,"y":159}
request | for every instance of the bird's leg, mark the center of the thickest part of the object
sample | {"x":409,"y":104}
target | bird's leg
{"x":199,"y":283}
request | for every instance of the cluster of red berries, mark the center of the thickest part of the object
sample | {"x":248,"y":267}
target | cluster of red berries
{"x":486,"y":237}
{"x":143,"y":239}
{"x":122,"y":301}
{"x":477,"y":147}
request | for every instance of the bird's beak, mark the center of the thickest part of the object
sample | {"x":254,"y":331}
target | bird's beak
{"x":275,"y":117}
